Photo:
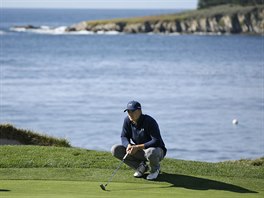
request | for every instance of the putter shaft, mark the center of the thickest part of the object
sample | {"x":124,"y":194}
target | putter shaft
{"x":113,"y":174}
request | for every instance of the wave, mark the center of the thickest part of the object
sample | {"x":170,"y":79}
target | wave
{"x":2,"y":32}
{"x":56,"y":31}
{"x":62,"y":30}
{"x":39,"y":30}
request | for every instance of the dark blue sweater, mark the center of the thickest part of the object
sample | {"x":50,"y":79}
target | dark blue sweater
{"x":145,"y":132}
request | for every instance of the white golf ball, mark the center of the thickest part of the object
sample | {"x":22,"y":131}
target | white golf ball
{"x":235,"y":121}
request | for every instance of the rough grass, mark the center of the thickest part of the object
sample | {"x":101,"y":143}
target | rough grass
{"x":27,"y":137}
{"x":59,"y":157}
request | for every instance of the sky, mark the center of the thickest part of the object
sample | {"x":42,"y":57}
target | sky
{"x":101,"y":4}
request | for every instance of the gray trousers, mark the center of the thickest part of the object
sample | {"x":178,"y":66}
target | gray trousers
{"x":153,"y":155}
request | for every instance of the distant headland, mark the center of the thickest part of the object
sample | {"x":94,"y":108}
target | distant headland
{"x":222,"y":19}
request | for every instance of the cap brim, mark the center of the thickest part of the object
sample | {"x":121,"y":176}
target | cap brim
{"x":130,"y":109}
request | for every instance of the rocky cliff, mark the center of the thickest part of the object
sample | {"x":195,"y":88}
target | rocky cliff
{"x":219,"y":20}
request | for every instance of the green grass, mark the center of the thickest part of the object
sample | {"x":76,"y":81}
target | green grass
{"x":76,"y":189}
{"x":38,"y":171}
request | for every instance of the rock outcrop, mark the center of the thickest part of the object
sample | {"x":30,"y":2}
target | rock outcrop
{"x":249,"y":21}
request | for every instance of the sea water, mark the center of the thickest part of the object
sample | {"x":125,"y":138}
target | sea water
{"x":76,"y":86}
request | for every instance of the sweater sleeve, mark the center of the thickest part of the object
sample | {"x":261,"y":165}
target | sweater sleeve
{"x":125,"y":134}
{"x":154,"y":134}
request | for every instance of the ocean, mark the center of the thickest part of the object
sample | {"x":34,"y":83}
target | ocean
{"x":76,"y":86}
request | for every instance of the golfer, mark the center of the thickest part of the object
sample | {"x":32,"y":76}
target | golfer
{"x":141,"y":139}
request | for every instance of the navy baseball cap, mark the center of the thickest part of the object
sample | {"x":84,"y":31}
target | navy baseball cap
{"x":132,"y":106}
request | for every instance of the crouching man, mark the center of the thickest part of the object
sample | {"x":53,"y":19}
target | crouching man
{"x":142,"y":140}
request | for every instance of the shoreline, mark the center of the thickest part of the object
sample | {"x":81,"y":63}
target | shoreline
{"x":224,"y":19}
{"x":219,"y":20}
{"x":62,"y":31}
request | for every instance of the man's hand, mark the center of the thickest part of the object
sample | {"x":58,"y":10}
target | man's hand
{"x":132,"y":149}
{"x":129,"y":148}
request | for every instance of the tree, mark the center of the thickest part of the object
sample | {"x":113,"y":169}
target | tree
{"x":210,"y":3}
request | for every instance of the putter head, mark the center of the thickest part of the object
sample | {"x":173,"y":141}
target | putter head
{"x":102,"y":186}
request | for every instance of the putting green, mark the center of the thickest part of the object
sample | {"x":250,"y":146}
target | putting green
{"x":76,"y":189}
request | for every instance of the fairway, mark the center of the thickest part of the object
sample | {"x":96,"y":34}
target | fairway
{"x":75,"y":189}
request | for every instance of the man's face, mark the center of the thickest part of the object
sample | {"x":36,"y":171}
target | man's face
{"x":134,"y":115}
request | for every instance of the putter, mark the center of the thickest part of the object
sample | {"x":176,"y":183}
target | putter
{"x":111,"y":177}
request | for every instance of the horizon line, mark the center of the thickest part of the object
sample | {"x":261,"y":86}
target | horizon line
{"x":98,"y":8}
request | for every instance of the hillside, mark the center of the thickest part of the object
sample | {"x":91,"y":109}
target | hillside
{"x":221,"y":19}
{"x":12,"y":135}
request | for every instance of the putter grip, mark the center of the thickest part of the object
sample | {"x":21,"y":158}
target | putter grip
{"x":125,"y":156}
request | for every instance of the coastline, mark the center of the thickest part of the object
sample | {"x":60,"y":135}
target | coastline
{"x":225,"y":19}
